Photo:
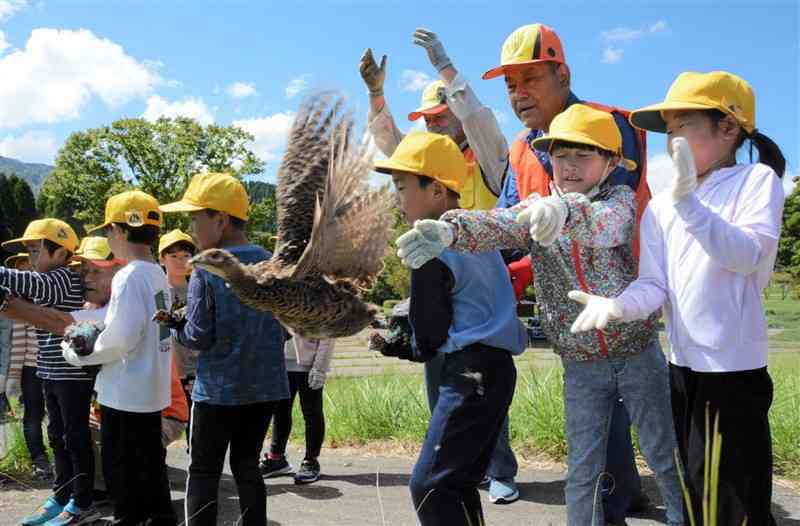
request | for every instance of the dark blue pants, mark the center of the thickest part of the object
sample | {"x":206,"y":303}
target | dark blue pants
{"x":475,"y":392}
{"x":621,"y":465}
{"x":33,"y":412}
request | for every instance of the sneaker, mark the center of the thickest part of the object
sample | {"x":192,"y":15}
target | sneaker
{"x":50,"y":509}
{"x":274,"y":467}
{"x":42,"y":469}
{"x":72,"y":515}
{"x":308,"y":473}
{"x":503,"y":491}
{"x":485,"y":481}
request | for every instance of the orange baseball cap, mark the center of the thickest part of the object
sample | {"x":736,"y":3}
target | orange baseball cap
{"x":434,"y":101}
{"x":529,"y":45}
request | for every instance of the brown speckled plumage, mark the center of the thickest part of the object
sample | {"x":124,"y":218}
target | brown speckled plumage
{"x":332,"y":231}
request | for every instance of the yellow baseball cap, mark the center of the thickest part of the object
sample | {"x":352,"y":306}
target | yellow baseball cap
{"x":213,"y":191}
{"x":430,"y":154}
{"x":16,"y":259}
{"x":170,"y":238}
{"x":434,"y":101}
{"x":53,"y":230}
{"x":98,"y":251}
{"x":584,"y":125}
{"x":529,"y":45}
{"x":133,"y":208}
{"x":717,"y":90}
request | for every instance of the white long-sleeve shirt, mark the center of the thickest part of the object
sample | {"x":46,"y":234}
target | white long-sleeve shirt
{"x":133,"y":350}
{"x":707,"y":260}
{"x":480,"y":127}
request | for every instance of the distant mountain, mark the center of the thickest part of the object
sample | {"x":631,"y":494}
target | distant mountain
{"x":33,"y":173}
{"x":259,"y":190}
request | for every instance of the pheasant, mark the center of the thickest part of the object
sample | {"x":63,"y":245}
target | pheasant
{"x":332,"y":232}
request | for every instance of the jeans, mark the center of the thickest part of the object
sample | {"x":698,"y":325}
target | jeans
{"x":33,"y":412}
{"x":311,"y":405}
{"x":742,"y":400}
{"x":591,"y":390}
{"x":214,"y":428}
{"x":134,"y":467}
{"x":621,"y":465}
{"x":458,"y":446}
{"x":503,"y":464}
{"x":68,"y":432}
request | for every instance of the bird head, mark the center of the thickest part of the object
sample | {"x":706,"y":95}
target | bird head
{"x":218,"y":262}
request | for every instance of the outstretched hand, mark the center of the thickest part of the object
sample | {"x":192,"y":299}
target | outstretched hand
{"x":372,"y":74}
{"x":545,"y":219}
{"x":434,"y":47}
{"x":597,"y":313}
{"x":424,"y":242}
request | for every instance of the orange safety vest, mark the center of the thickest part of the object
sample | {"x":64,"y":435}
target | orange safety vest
{"x":179,"y":407}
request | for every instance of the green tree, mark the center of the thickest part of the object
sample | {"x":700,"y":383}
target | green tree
{"x":25,"y":204}
{"x":157,"y":157}
{"x":8,"y":210}
{"x":394,"y":281}
{"x":261,"y":225}
{"x":789,"y":246}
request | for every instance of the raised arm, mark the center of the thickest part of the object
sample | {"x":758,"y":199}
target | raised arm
{"x":380,"y":121}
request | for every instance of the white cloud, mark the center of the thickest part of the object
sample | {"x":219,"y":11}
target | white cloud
{"x":612,"y":55}
{"x":270,"y":133}
{"x":240,"y":90}
{"x":412,"y":80}
{"x":790,"y":181}
{"x":659,"y":172}
{"x":296,"y":85}
{"x":9,"y":7}
{"x":626,"y":36}
{"x":60,"y":71}
{"x":3,"y":43}
{"x":190,"y":107}
{"x":32,"y":146}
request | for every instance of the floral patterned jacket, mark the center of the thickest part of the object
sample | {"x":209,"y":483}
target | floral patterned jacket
{"x":593,"y":254}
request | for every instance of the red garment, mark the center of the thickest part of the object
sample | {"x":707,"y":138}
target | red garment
{"x":521,"y":275}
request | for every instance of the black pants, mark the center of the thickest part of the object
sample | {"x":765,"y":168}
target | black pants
{"x":33,"y":412}
{"x":214,"y":428}
{"x":742,"y":400}
{"x":68,"y":432}
{"x":475,"y":392}
{"x":187,"y":384}
{"x":134,"y":467}
{"x":311,"y":405}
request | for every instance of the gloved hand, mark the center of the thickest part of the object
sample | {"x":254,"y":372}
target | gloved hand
{"x":684,"y":182}
{"x":70,"y":355}
{"x":546,"y":218}
{"x":173,"y":319}
{"x":372,"y":74}
{"x":316,"y":378}
{"x":425,"y":241}
{"x":13,"y":388}
{"x":597,"y":313}
{"x":521,"y":275}
{"x":436,"y":53}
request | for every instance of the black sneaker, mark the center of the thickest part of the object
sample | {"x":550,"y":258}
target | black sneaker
{"x":42,"y":469}
{"x":274,"y":467}
{"x":308,"y":473}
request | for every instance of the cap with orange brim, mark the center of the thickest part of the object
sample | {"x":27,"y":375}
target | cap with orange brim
{"x":529,"y":44}
{"x":434,"y":101}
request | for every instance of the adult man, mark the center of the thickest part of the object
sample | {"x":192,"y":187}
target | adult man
{"x":537,"y":79}
{"x":450,"y":107}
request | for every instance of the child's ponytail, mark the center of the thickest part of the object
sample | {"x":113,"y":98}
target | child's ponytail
{"x":768,"y":152}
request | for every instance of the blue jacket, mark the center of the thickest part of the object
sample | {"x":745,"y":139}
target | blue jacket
{"x":241,"y":359}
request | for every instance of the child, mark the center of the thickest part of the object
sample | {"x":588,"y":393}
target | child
{"x":67,"y":389}
{"x":241,"y":373}
{"x":23,"y":382}
{"x":462,"y":307}
{"x":580,"y":237}
{"x":708,"y":248}
{"x":307,"y":364}
{"x":133,"y":385}
{"x":175,"y":249}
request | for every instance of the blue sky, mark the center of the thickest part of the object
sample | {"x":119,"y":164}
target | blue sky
{"x":71,"y":65}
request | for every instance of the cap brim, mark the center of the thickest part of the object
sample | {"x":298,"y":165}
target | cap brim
{"x":543,"y":144}
{"x":650,"y":118}
{"x":500,"y":71}
{"x":95,"y":229}
{"x":387,"y":166}
{"x":180,"y":206}
{"x":102,"y":263}
{"x":433,"y":110}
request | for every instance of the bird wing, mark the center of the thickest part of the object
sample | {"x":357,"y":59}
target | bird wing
{"x":351,"y":222}
{"x":302,"y":175}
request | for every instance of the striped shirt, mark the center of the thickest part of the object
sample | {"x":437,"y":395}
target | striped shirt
{"x":60,"y":289}
{"x":24,"y":348}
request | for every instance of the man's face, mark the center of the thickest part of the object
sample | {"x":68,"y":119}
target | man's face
{"x":445,"y":123}
{"x":97,"y":282}
{"x":207,"y":229}
{"x":40,"y":258}
{"x":537,"y":92}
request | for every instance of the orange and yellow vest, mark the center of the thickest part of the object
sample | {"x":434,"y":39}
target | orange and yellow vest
{"x":475,"y":195}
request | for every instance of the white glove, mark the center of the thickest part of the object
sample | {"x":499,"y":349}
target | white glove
{"x":684,"y":181}
{"x":436,"y":53}
{"x":598,"y":312}
{"x":546,"y":218}
{"x":70,"y":355}
{"x":13,"y":388}
{"x":316,"y":379}
{"x":425,"y":241}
